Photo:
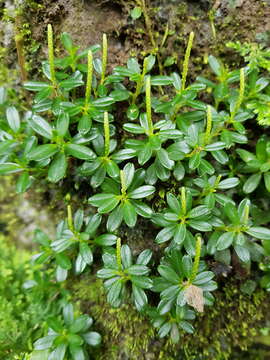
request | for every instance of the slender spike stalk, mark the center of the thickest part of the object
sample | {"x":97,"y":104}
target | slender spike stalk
{"x":118,"y":254}
{"x":246,"y":214}
{"x":196,"y":262}
{"x":69,"y":214}
{"x":140,"y":82}
{"x":104,"y":57}
{"x":123,"y":183}
{"x":241,"y":94}
{"x":51,"y":54}
{"x":89,"y":78}
{"x":186,"y":60}
{"x":148,"y":105}
{"x":183,"y":200}
{"x":217,"y":181}
{"x":207,"y":134}
{"x":106,"y":134}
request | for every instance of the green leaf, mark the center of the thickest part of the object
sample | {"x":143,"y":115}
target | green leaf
{"x":129,"y":214}
{"x":252,"y":183}
{"x":140,"y":297}
{"x":61,"y":245}
{"x":63,"y":261}
{"x":144,"y":257}
{"x":72,"y":82}
{"x":161,"y":80}
{"x":169,"y":274}
{"x":77,"y":352}
{"x":86,"y":253}
{"x":44,"y":342}
{"x":35,"y":85}
{"x":106,"y":240}
{"x":23,"y":183}
{"x":199,"y":211}
{"x":92,"y":338}
{"x":78,"y":219}
{"x":267,"y":181}
{"x":79,"y":324}
{"x":120,"y":95}
{"x":215,"y":65}
{"x":9,"y":168}
{"x":13,"y":119}
{"x":164,"y":159}
{"x":62,"y":124}
{"x":57,"y":169}
{"x":259,"y":232}
{"x":142,"y":281}
{"x":105,"y":202}
{"x":80,"y":152}
{"x":194,"y":161}
{"x":142,"y":192}
{"x":173,"y":203}
{"x":114,"y":293}
{"x":67,"y":41}
{"x":186,"y":326}
{"x":179,"y":233}
{"x":68,"y":314}
{"x":137,"y":270}
{"x":136,"y":12}
{"x":126,"y":256}
{"x":200,"y":225}
{"x":133,"y":112}
{"x":165,"y":234}
{"x":40,"y":126}
{"x":228,"y":183}
{"x":42,"y":152}
{"x":225,"y":240}
{"x":103,"y":102}
{"x":242,"y":252}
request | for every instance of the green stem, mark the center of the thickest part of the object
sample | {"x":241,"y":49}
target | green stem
{"x":207,"y":135}
{"x":140,"y":82}
{"x":104,"y":57}
{"x":106,"y":134}
{"x":241,"y":94}
{"x":51,"y":54}
{"x":186,"y":60}
{"x":118,"y":254}
{"x":148,"y":106}
{"x":123,"y":183}
{"x":89,"y":79}
{"x":70,"y":221}
{"x":196,"y":262}
{"x":183,"y":200}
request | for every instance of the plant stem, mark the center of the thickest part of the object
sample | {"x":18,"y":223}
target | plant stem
{"x":140,"y":82}
{"x":183,"y":200}
{"x":89,"y":79}
{"x":148,"y":106}
{"x":196,"y":262}
{"x":123,"y":183}
{"x":241,"y":94}
{"x":106,"y":134}
{"x":118,"y":254}
{"x":207,"y":135}
{"x":104,"y":57}
{"x":51,"y":54}
{"x":186,"y":60}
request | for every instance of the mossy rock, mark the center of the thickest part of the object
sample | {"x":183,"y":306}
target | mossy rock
{"x":222,"y":331}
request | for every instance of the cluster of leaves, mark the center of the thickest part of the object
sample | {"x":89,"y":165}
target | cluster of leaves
{"x":182,"y":162}
{"x":22,"y":313}
{"x":67,"y":337}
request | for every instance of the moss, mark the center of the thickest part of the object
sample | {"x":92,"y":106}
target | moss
{"x":228,"y":327}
